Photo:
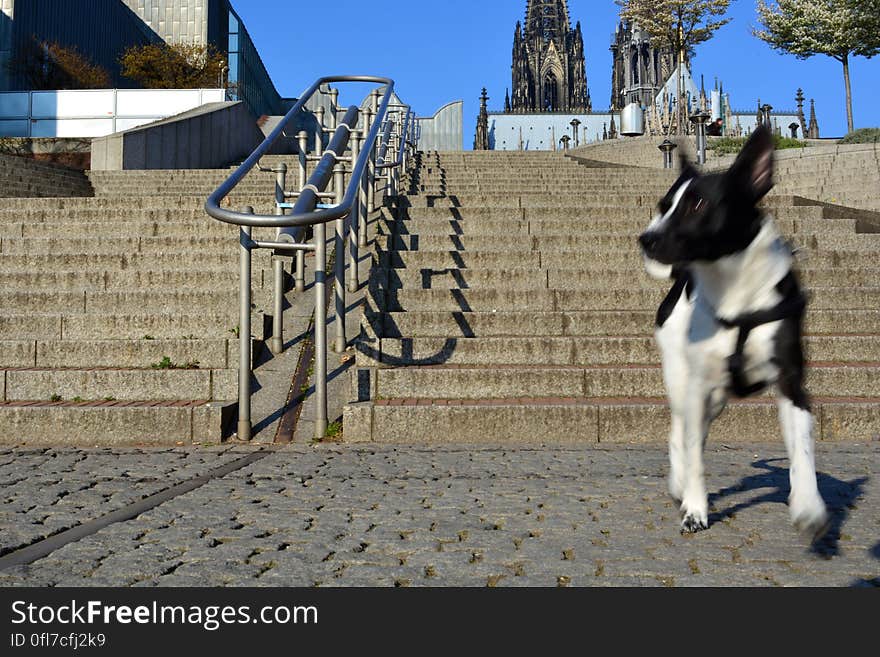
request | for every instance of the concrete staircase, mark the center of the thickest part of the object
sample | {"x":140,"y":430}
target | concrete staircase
{"x":850,"y":177}
{"x":120,"y":311}
{"x":508,"y":302}
{"x":22,"y":177}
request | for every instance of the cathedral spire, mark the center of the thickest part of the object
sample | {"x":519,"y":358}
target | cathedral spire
{"x":813,"y":131}
{"x":548,"y":69}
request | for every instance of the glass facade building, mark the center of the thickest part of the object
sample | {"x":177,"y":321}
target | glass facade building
{"x":103,"y":29}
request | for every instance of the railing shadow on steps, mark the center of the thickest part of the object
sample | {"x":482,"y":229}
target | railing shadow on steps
{"x":386,"y":125}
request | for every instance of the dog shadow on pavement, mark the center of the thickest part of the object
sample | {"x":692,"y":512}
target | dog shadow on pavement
{"x":840,"y":497}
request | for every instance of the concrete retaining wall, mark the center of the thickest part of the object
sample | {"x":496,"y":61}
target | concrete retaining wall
{"x":631,"y":151}
{"x":211,"y":136}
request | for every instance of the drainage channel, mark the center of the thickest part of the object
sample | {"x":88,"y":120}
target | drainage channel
{"x":296,"y":397}
{"x":46,"y":546}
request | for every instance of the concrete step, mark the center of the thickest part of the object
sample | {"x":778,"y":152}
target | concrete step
{"x":573,"y":351}
{"x":579,"y":240}
{"x":595,"y":319}
{"x":168,"y":280}
{"x":40,"y":262}
{"x":585,"y":227}
{"x":512,"y":382}
{"x":629,"y":275}
{"x":130,"y":384}
{"x":195,"y":300}
{"x":586,"y":421}
{"x":114,"y":423}
{"x":221,"y":323}
{"x":209,"y":354}
{"x":38,"y":216}
{"x":579,"y":225}
{"x":611,"y":257}
{"x":260,"y":203}
{"x":117,"y":245}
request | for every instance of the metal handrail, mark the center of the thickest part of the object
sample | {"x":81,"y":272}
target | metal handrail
{"x":212,"y":205}
{"x":394,"y":166}
{"x":354,"y":200}
{"x":401,"y":150}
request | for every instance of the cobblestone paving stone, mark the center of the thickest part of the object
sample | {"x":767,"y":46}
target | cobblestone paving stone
{"x":45,"y":491}
{"x":383,"y":516}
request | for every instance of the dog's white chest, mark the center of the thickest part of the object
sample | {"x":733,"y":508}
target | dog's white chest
{"x":710,"y":346}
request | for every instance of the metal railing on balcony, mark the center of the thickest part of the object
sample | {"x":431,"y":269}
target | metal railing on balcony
{"x":383,"y":125}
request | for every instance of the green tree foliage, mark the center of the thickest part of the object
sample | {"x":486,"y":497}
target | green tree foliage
{"x":837,"y":28}
{"x":862,"y":136}
{"x":47,"y":65}
{"x":676,"y":24}
{"x":173,"y":66}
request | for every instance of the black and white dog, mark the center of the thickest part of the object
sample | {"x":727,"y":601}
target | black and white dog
{"x":731,"y":325}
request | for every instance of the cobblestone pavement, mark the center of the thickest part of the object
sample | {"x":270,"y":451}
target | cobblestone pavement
{"x":368,"y":516}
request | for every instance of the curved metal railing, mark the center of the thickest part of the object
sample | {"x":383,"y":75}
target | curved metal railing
{"x":350,"y":202}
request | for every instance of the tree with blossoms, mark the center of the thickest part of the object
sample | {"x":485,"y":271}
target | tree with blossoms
{"x":837,"y":28}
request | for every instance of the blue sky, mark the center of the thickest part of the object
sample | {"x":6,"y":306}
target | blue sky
{"x":443,"y":50}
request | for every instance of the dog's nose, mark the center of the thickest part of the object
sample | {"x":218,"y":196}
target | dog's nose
{"x":648,"y":241}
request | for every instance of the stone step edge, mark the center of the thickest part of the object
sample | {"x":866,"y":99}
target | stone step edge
{"x":589,"y":421}
{"x":594,"y":401}
{"x":195,"y":403}
{"x":632,"y":366}
{"x":117,"y":424}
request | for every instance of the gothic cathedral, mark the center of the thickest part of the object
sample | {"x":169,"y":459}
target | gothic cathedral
{"x":549,"y":72}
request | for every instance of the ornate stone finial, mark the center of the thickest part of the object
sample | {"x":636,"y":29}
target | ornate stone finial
{"x":481,"y":140}
{"x":802,"y":120}
{"x":813,"y":131}
{"x":612,"y":131}
{"x":507,"y":100}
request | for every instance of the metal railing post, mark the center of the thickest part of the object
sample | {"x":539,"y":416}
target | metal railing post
{"x":354,"y":220}
{"x":299,"y":276}
{"x":339,"y":263}
{"x":319,"y":137}
{"x":366,"y":184}
{"x":320,"y":330}
{"x":276,"y":344}
{"x":244,"y":332}
{"x":334,"y":108}
{"x":371,"y":184}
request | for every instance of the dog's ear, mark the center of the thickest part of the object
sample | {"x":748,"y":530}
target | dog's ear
{"x":752,"y":173}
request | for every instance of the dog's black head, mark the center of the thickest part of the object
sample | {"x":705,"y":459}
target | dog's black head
{"x":704,"y":218}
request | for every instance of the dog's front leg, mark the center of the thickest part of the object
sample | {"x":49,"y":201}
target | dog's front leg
{"x":807,"y":509}
{"x":695,"y":503}
{"x":677,"y":459}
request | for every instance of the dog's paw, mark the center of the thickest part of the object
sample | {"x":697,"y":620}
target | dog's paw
{"x":693,"y":523}
{"x":694,"y":515}
{"x":813,"y":521}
